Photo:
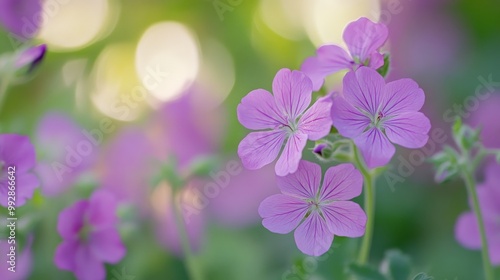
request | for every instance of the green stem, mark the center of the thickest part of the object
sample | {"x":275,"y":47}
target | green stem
{"x":4,"y":83}
{"x":369,"y":206}
{"x":471,"y":188}
{"x":191,"y":266}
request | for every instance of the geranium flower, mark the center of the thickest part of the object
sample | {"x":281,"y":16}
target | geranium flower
{"x":67,"y":151}
{"x":363,"y":38}
{"x":282,"y":118}
{"x":90,"y":237}
{"x":21,"y":17}
{"x":467,"y":229}
{"x":317,"y":213}
{"x":17,"y":155}
{"x":30,"y":58}
{"x":374,"y":114}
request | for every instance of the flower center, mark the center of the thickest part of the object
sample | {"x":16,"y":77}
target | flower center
{"x":291,"y":127}
{"x":84,"y":233}
{"x":377,"y":121}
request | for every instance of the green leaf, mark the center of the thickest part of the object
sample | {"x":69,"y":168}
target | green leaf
{"x":202,"y":166}
{"x":365,"y":272}
{"x":422,"y":276}
{"x":384,"y":69}
{"x":457,"y":125}
{"x":399,"y":265}
{"x":446,"y":171}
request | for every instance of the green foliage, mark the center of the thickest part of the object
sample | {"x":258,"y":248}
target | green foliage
{"x":365,"y":272}
{"x":422,"y":276}
{"x":399,"y":265}
{"x":384,"y":69}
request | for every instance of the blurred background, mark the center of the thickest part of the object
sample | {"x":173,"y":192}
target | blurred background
{"x":156,"y":83}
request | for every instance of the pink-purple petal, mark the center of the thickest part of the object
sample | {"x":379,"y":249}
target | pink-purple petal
{"x":292,"y":91}
{"x":328,"y":60}
{"x":64,"y":255}
{"x":363,"y":89}
{"x":317,"y":121}
{"x":349,"y":121}
{"x":401,"y":96}
{"x":313,"y":236}
{"x":375,"y":147}
{"x":341,"y":182}
{"x":304,"y":183}
{"x":376,"y":60}
{"x":102,"y":210}
{"x":409,"y":130}
{"x":106,"y":245}
{"x":282,"y":213}
{"x":363,"y":37}
{"x":258,"y":110}
{"x":87,"y":266}
{"x":260,"y":148}
{"x":289,"y":160}
{"x":345,"y":218}
{"x":71,"y":219}
{"x":17,"y":150}
{"x":467,"y":231}
{"x":26,"y":185}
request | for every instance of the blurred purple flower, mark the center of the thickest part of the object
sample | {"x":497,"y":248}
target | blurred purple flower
{"x":326,"y":211}
{"x":90,"y":237}
{"x":127,"y":167}
{"x":185,"y":131}
{"x":17,"y":151}
{"x":467,"y":229}
{"x":23,"y":262}
{"x":485,"y":117}
{"x":240,"y":196}
{"x":67,"y":149}
{"x":133,"y":160}
{"x":284,"y":119}
{"x":21,"y":17}
{"x":363,"y":37}
{"x":193,"y":217}
{"x":374,"y":114}
{"x":31,"y":57}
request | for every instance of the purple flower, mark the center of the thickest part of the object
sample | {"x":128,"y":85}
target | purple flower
{"x":166,"y":227}
{"x":31,"y":57}
{"x":281,"y":118}
{"x":90,"y":237}
{"x":129,"y":164}
{"x":374,"y":114}
{"x":67,"y":152}
{"x":485,"y":116}
{"x":240,"y":194}
{"x":363,"y":38}
{"x":21,"y":17}
{"x":467,"y":229}
{"x":324,"y":212}
{"x":17,"y":158}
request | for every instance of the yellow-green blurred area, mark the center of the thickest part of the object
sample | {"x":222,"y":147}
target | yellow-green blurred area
{"x":100,"y":51}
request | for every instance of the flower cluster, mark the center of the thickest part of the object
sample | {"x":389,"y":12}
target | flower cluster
{"x":372,"y":113}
